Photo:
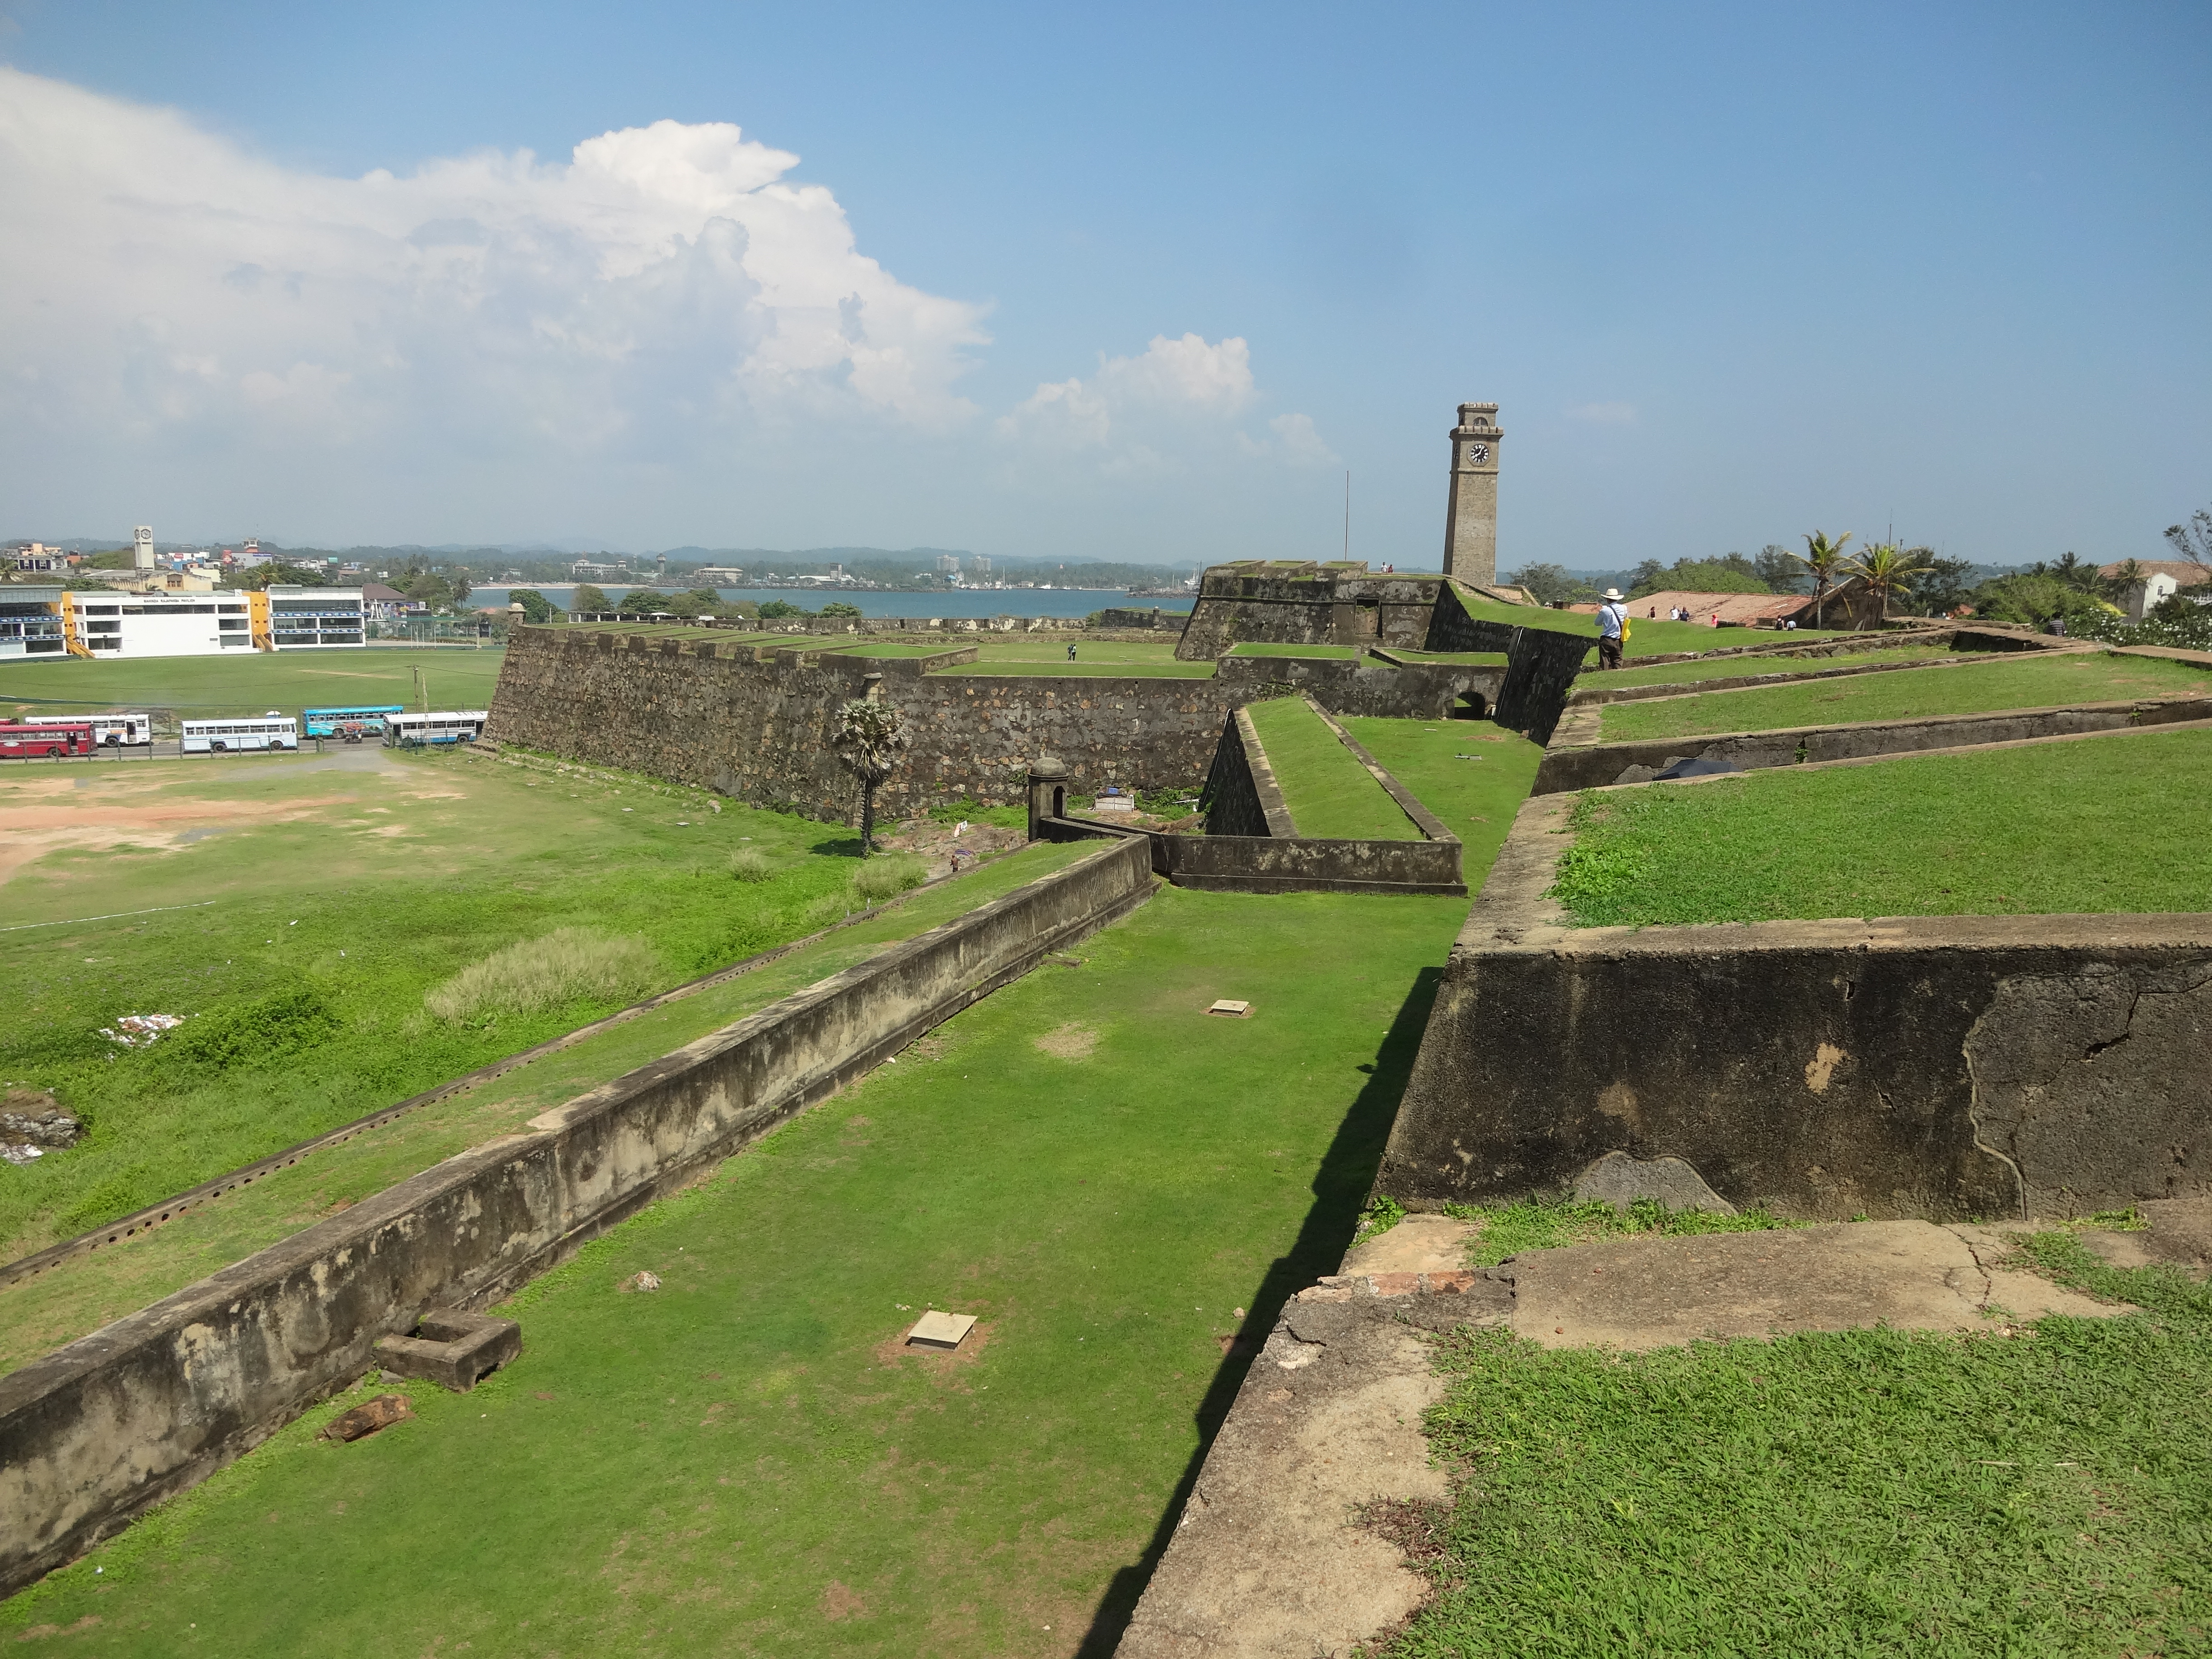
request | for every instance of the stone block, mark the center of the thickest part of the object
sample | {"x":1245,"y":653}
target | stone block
{"x":455,"y":1350}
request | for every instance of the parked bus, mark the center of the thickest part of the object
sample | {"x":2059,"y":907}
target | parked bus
{"x":352,"y":724}
{"x":21,"y":740}
{"x":238,"y":732}
{"x":110,"y":730}
{"x":452,"y":726}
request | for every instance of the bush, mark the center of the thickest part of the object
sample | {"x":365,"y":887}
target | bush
{"x":880,"y":878}
{"x":750,"y":864}
{"x":567,"y":966}
{"x":839,"y":608}
{"x":780,"y":610}
{"x":265,"y":1029}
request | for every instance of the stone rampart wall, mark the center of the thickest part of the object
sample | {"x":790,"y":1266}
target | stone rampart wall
{"x":158,"y":1400}
{"x":1939,"y":1068}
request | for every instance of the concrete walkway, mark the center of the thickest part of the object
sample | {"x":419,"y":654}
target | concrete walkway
{"x":1271,"y":1557}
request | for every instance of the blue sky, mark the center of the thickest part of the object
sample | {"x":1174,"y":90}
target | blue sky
{"x":1121,"y":281}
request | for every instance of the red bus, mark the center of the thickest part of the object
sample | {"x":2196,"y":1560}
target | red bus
{"x":21,"y":742}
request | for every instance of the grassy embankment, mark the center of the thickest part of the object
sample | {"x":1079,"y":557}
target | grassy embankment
{"x":1331,"y":796}
{"x":1647,"y":636}
{"x":1046,"y":654}
{"x":287,"y":681}
{"x":1719,"y":668}
{"x":85,"y":1292}
{"x":1260,"y":648}
{"x":1967,"y":689}
{"x":1113,"y":1181}
{"x":301,"y":905}
{"x":2091,"y":826}
{"x":2036,"y":1490}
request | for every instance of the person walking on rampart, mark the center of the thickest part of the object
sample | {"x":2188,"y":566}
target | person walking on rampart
{"x":1612,"y":629}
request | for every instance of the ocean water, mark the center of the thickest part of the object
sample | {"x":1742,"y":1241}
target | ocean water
{"x":986,"y":602}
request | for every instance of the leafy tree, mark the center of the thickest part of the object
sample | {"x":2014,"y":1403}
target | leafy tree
{"x":1731,"y":574}
{"x":457,"y":584}
{"x":1942,"y":588}
{"x":536,"y":607}
{"x":1823,"y":558}
{"x":641,"y":602}
{"x":1887,"y":569}
{"x":1778,"y":568}
{"x":838,"y":608}
{"x":870,"y":735}
{"x":2076,"y":574}
{"x":2032,"y":597}
{"x":588,"y":598}
{"x":780,"y":610}
{"x":2193,"y":541}
{"x":1549,"y":582}
{"x":274,"y":575}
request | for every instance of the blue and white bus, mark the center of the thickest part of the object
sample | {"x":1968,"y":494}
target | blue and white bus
{"x":352,"y":724}
{"x":448,"y":726}
{"x":235,"y":733}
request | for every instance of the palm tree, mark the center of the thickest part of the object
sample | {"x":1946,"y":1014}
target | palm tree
{"x":2127,"y":575}
{"x":870,"y":735}
{"x":1822,"y":557}
{"x":1886,"y":567}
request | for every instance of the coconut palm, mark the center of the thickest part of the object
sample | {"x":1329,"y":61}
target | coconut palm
{"x":2127,"y":575}
{"x":1823,"y":558}
{"x":1886,"y":569}
{"x":870,"y":735}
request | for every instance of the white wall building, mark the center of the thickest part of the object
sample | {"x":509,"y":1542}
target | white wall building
{"x":114,"y":625}
{"x":103,"y":623}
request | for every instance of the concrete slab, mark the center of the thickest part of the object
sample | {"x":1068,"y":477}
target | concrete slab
{"x":2179,"y":1235}
{"x":939,"y":1329}
{"x":1418,"y":1244}
{"x":1268,"y":1558}
{"x":1647,"y":1293}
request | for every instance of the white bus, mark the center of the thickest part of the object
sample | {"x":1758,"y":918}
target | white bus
{"x":112,"y":730}
{"x":448,"y":726}
{"x":241,"y":732}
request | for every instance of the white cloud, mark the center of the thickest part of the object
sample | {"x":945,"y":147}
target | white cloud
{"x":661,"y":293}
{"x":1144,"y":413}
{"x":1614,"y":414}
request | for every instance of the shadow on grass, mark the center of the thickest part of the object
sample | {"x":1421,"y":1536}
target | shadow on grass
{"x":1340,"y":1188}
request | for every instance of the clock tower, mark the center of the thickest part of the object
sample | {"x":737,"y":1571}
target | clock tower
{"x":1471,"y":523}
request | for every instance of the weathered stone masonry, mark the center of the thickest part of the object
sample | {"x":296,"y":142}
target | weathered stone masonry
{"x":757,"y":725}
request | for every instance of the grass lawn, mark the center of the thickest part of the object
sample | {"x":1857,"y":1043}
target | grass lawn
{"x":1844,"y":1493}
{"x":1969,"y":688}
{"x":1715,"y":668}
{"x":88,"y":1292}
{"x":1647,"y":636}
{"x":1469,"y":659}
{"x":1332,"y":797}
{"x":747,"y":1462}
{"x":287,"y":681}
{"x":885,"y":649}
{"x":1471,"y":773}
{"x":300,"y":907}
{"x":1053,"y":649}
{"x":1258,"y":648}
{"x":1088,"y":667}
{"x":2091,"y":826}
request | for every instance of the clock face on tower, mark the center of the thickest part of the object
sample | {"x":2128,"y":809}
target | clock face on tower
{"x":1478,"y":453}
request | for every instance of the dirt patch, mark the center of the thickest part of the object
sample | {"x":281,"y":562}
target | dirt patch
{"x":1073,"y":1040}
{"x":839,"y":1602}
{"x":29,"y":832}
{"x":934,"y":1362}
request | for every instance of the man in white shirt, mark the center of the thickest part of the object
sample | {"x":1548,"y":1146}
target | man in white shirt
{"x":1611,"y":625}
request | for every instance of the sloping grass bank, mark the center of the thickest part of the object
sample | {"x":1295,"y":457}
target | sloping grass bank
{"x":1969,"y":688}
{"x":1332,"y":797}
{"x":87,"y":1291}
{"x":2090,"y":827}
{"x":747,"y":1461}
{"x":2044,"y":1490}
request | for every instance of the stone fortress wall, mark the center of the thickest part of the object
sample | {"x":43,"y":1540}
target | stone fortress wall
{"x":757,"y":725}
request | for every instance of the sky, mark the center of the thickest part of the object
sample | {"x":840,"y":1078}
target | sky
{"x":1132,"y":283}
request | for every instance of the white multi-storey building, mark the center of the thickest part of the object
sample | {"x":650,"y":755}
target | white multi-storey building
{"x":101,"y":623}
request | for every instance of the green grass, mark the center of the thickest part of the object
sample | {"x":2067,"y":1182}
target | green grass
{"x":1088,"y":667}
{"x":1647,"y":636}
{"x":1332,"y":797}
{"x":326,"y":895}
{"x":1053,"y":649}
{"x":1468,"y":658}
{"x":2091,"y":826}
{"x":1471,"y":773}
{"x":886,"y":648}
{"x":87,"y":1291}
{"x":1847,"y":1494}
{"x":287,"y":681}
{"x":745,"y":1461}
{"x":1259,"y":648}
{"x":1969,"y":688}
{"x":1714,"y":668}
{"x":1510,"y":1229}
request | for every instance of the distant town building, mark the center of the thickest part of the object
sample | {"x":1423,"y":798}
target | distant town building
{"x":36,"y":556}
{"x":2156,"y":579}
{"x":719,"y":575}
{"x":142,"y":545}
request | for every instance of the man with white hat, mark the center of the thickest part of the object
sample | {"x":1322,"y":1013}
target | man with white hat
{"x":1612,"y":627}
